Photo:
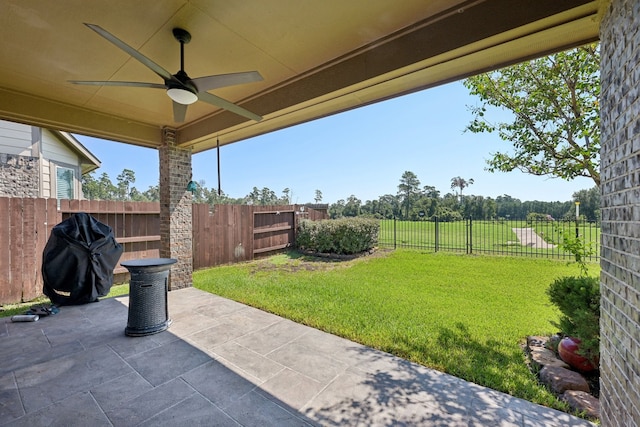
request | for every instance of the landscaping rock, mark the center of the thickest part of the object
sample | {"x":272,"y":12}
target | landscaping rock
{"x":582,"y":402}
{"x":536,"y":341}
{"x":562,"y":379}
{"x":541,"y":357}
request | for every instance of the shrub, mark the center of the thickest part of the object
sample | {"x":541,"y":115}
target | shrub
{"x":339,"y":236}
{"x":577,"y":246}
{"x":445,"y":214}
{"x":538,"y":217}
{"x":578,"y":299}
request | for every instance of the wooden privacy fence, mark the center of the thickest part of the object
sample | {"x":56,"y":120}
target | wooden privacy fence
{"x":235,"y":233}
{"x":231,"y":233}
{"x":25,"y":225}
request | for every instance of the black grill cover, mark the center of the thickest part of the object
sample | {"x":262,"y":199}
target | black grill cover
{"x":78,"y":260}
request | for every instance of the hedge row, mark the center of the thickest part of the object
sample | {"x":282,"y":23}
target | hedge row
{"x":343,"y":236}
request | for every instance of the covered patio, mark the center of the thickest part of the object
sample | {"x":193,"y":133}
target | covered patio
{"x":316,"y":59}
{"x":224,"y":363}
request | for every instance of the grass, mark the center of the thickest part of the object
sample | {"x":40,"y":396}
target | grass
{"x":464,"y":315}
{"x":13,"y":309}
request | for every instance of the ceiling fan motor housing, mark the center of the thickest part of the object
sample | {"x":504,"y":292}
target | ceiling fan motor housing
{"x":183,"y":36}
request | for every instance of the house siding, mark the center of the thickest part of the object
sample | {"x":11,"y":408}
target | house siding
{"x":57,"y":154}
{"x":15,"y":139}
{"x":29,"y":157}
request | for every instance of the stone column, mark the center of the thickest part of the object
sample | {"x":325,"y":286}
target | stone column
{"x":620,"y":188}
{"x":175,"y":210}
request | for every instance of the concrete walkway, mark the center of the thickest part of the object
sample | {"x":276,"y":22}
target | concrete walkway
{"x":528,"y":237}
{"x":223,"y":363}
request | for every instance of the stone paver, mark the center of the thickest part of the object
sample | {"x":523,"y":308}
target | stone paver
{"x":223,"y":363}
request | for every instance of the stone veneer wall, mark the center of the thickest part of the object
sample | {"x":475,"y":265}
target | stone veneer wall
{"x":175,"y":210}
{"x":19,"y":176}
{"x":620,"y":187}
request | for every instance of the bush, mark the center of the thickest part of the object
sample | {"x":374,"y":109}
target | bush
{"x":578,"y":299}
{"x":538,"y":217}
{"x":339,"y":236}
{"x":445,"y":214}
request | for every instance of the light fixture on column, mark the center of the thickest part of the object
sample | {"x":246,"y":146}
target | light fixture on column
{"x":192,"y":186}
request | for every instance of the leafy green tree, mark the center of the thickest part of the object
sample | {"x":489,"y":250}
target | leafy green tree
{"x":389,"y":206}
{"x":352,"y":207}
{"x":136,"y":196}
{"x":125,"y":179}
{"x":286,"y":196}
{"x":336,"y":209}
{"x":152,"y":194}
{"x":318,"y":198}
{"x":253,"y":197}
{"x":489,"y":208}
{"x":460,"y":184}
{"x":589,"y":203}
{"x":408,"y":189}
{"x":108,"y":191}
{"x":268,"y":197}
{"x":450,"y":201}
{"x":90,"y":186}
{"x":556,"y":119}
{"x":446,"y":214}
{"x":430,"y":192}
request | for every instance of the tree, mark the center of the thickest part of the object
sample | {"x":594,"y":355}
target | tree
{"x":90,"y":186}
{"x":125,"y":179}
{"x":152,"y":194}
{"x":554,"y":101}
{"x":286,"y":196}
{"x":589,"y":203}
{"x":318,"y":198}
{"x":408,"y":188}
{"x":336,"y":209}
{"x":352,"y":207}
{"x":389,"y":206}
{"x":460,"y":183}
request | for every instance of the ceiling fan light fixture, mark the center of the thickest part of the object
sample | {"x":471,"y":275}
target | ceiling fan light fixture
{"x":182,"y":96}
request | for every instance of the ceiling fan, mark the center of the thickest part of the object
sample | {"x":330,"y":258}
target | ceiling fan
{"x":181,"y":88}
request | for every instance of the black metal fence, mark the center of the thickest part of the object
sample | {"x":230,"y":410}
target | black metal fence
{"x":537,"y":238}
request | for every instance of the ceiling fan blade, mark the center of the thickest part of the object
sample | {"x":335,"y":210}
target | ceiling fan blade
{"x":222,"y":80}
{"x":222,"y":103}
{"x":179,"y":112}
{"x":131,"y":51}
{"x":132,"y":84}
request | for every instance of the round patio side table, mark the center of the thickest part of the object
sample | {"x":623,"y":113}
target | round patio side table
{"x":148,"y":287}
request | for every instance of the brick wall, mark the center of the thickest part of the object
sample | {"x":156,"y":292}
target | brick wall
{"x":19,"y":176}
{"x":620,"y":173}
{"x":175,"y":210}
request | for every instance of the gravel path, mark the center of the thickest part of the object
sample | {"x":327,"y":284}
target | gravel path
{"x":528,"y":237}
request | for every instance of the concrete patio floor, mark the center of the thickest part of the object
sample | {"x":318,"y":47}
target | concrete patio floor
{"x":224,"y":363}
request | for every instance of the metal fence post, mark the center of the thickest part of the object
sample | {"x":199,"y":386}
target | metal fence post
{"x":395,"y":236}
{"x":469,"y":236}
{"x":437,"y":231}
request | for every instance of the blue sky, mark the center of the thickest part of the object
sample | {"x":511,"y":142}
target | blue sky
{"x":363,"y":152}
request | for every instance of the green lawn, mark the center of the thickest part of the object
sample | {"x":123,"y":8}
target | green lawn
{"x":482,"y":237}
{"x":465,"y":315}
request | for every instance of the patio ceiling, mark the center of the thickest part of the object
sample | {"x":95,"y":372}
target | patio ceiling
{"x":317,"y":57}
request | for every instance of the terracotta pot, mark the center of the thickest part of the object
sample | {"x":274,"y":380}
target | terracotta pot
{"x":568,"y":351}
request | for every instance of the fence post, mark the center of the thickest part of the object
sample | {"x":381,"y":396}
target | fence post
{"x":437,"y":231}
{"x":469,"y":236}
{"x":394,"y":234}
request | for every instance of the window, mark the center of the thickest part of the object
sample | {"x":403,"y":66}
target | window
{"x":64,"y":183}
